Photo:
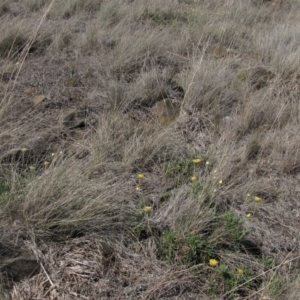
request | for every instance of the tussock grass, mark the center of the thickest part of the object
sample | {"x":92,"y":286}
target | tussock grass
{"x":214,"y":212}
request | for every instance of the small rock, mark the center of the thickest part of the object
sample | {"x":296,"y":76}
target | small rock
{"x":71,"y":120}
{"x":38,"y":99}
{"x":28,"y":91}
{"x":219,"y":51}
{"x":72,"y":82}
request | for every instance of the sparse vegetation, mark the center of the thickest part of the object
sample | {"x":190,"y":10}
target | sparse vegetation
{"x":149,"y":149}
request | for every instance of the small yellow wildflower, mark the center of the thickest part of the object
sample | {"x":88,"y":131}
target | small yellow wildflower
{"x":196,"y":161}
{"x":24,"y":149}
{"x":138,"y":189}
{"x":213,"y":262}
{"x":248,"y":195}
{"x":207,"y":163}
{"x":52,"y":154}
{"x":147,"y":209}
{"x":257,"y":199}
{"x":240,"y":271}
{"x":46,"y":163}
{"x":249,"y":215}
{"x":32,"y":168}
{"x":221,"y":181}
{"x":193,"y":178}
{"x":140,"y":176}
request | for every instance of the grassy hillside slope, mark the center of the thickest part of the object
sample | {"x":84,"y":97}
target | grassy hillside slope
{"x":149,"y":149}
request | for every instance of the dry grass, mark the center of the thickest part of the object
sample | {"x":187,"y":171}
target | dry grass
{"x":110,"y":74}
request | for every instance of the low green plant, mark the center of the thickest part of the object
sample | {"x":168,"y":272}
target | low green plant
{"x":166,"y":195}
{"x":198,"y":186}
{"x":230,"y":278}
{"x":275,"y":287}
{"x":168,"y":245}
{"x":183,"y":169}
{"x":233,"y":226}
{"x":268,"y":262}
{"x":4,"y":191}
{"x":195,"y":244}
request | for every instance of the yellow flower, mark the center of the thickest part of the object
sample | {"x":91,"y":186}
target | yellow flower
{"x":140,"y":176}
{"x":32,"y":168}
{"x":46,"y":163}
{"x":194,"y":178}
{"x":249,"y":215}
{"x":52,"y":154}
{"x":248,"y":195}
{"x":240,"y":271}
{"x":221,"y":181}
{"x":257,"y":199}
{"x":138,"y":189}
{"x":207,"y":163}
{"x":196,"y":161}
{"x":24,"y":149}
{"x":213,"y":262}
{"x":147,"y":209}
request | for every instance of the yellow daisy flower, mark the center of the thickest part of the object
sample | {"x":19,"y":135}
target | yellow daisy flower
{"x":257,"y":199}
{"x":140,"y":176}
{"x":213,"y":262}
{"x":193,"y":178}
{"x":196,"y":161}
{"x":240,"y":271}
{"x":147,"y":209}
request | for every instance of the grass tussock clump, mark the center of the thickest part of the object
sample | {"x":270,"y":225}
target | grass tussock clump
{"x":149,"y":150}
